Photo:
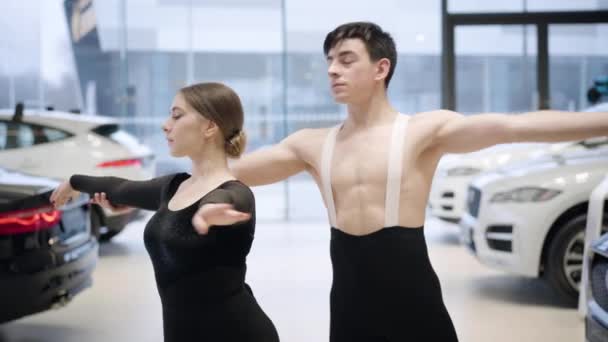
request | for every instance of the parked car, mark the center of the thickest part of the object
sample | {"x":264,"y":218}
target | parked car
{"x":529,"y":219}
{"x":47,"y":255}
{"x":447,"y":199}
{"x":57,"y":145}
{"x":596,"y":321}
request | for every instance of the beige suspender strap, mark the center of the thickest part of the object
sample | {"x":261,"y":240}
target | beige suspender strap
{"x":328,"y":151}
{"x":395,"y":167}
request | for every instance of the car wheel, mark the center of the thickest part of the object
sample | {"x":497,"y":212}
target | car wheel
{"x":564,"y":266}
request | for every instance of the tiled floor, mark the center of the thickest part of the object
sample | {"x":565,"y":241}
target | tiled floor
{"x":289,"y":271}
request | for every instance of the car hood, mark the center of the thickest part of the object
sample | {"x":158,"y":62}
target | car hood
{"x":550,"y":170}
{"x":501,"y":155}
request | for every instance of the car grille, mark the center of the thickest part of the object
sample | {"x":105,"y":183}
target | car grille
{"x":500,"y":238}
{"x":473,"y":201}
{"x":599,"y":284}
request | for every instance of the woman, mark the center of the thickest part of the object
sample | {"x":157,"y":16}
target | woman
{"x":200,"y":271}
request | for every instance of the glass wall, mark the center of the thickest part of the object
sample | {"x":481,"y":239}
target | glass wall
{"x":566,"y":5}
{"x":495,"y":77}
{"x":481,"y":6}
{"x":572,"y":71}
{"x":36,"y":62}
{"x":127,"y":59}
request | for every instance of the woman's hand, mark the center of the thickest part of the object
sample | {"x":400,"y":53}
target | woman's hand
{"x":102,"y":200}
{"x":63,"y":194}
{"x":216,"y":214}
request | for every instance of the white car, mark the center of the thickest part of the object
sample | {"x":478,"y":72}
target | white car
{"x":447,"y":199}
{"x":529,"y":219}
{"x":58,"y":144}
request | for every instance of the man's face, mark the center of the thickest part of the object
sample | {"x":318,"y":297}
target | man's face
{"x":352,"y":74}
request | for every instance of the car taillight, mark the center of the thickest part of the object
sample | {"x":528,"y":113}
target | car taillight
{"x":27,"y":221}
{"x":121,"y":163}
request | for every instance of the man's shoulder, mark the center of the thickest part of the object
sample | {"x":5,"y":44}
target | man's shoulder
{"x":307,"y":142}
{"x":432,"y":120}
{"x":308,"y":135}
{"x":434,"y":115}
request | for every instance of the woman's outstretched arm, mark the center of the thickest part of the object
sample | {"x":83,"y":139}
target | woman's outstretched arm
{"x":119,"y":191}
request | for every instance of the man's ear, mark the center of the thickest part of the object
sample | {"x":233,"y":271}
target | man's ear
{"x":383,"y":66}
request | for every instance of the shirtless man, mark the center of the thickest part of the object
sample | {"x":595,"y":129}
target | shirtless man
{"x":384,"y":288}
{"x":375,"y":171}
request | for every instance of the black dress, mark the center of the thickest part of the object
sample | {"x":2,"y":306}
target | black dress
{"x":200,"y":278}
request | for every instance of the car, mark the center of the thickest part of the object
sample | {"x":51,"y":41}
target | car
{"x":529,"y":218}
{"x":47,"y":255}
{"x":58,"y":144}
{"x":593,"y":301}
{"x":447,"y":199}
{"x":596,"y":319}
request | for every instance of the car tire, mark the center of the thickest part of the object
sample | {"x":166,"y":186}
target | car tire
{"x":563,"y":268}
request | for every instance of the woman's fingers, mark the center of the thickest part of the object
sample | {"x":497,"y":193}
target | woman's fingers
{"x":101,"y":199}
{"x":217,"y":214}
{"x":96,"y":198}
{"x":238,"y":215}
{"x":62,"y":194}
{"x":216,"y":207}
{"x":199,"y":223}
{"x":53,"y":196}
{"x":106,"y":202}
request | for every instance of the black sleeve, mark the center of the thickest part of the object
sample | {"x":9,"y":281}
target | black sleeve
{"x":240,"y":196}
{"x":120,"y":191}
{"x":233,"y":241}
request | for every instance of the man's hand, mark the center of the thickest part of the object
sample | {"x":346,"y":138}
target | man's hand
{"x":102,"y":200}
{"x":216,"y":214}
{"x":62,"y":194}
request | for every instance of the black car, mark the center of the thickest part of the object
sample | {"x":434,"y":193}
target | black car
{"x":46,"y":256}
{"x":596,"y":327}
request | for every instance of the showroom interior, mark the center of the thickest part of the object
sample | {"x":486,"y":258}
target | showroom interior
{"x":517,"y":233}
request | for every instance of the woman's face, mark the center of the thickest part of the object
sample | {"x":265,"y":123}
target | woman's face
{"x":187,"y":131}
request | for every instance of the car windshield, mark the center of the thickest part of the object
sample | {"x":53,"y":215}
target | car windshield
{"x":113,"y":132}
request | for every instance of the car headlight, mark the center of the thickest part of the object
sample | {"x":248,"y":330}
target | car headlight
{"x":462,"y":171}
{"x":526,"y":194}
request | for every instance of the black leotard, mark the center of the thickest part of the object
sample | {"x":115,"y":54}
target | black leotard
{"x":200,"y":278}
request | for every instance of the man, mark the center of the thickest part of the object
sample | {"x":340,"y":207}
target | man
{"x":375,"y":172}
{"x":384,"y":288}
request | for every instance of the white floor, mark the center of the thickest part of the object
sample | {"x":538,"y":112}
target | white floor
{"x":289,"y":271}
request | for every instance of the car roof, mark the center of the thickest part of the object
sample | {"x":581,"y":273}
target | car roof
{"x":64,"y":120}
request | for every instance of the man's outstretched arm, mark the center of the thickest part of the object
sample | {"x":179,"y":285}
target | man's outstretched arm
{"x":270,"y":164}
{"x":456,"y":133}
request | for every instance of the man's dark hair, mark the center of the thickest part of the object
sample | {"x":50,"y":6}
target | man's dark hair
{"x":379,"y":44}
